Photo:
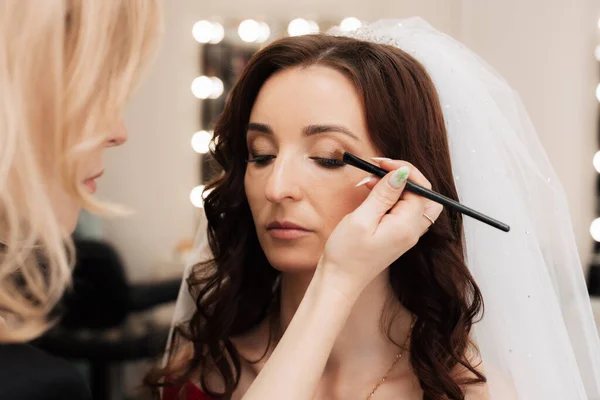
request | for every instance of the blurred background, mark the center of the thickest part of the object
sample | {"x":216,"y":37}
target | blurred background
{"x":129,"y":269}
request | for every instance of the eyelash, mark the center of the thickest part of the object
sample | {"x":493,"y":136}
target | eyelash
{"x":328,"y":162}
{"x":260,"y":160}
{"x":263,"y":160}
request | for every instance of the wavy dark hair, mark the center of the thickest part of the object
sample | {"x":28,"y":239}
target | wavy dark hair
{"x":239,"y":288}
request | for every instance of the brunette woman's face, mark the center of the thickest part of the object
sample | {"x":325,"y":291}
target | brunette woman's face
{"x":297,"y":189}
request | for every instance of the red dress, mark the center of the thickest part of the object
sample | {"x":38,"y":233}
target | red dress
{"x":192,"y":392}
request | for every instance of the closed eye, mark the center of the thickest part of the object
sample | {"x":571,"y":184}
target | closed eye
{"x":264,"y":160}
{"x":328,"y":162}
{"x":261,"y":160}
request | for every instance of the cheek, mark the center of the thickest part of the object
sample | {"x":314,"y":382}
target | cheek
{"x":254,"y":192}
{"x":335,"y":200}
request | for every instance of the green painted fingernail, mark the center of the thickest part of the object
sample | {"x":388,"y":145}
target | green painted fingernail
{"x":399,"y":177}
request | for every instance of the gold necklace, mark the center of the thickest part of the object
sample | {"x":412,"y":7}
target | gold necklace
{"x":398,"y":357}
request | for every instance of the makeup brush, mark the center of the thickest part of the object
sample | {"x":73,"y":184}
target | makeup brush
{"x":351,"y":159}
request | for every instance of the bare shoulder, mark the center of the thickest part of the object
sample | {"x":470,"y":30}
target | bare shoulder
{"x":497,"y":383}
{"x":496,"y":380}
{"x":478,"y":391}
{"x":252,"y":349}
{"x":474,"y":391}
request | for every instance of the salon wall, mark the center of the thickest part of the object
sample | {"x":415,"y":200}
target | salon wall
{"x":545,"y":50}
{"x":155,"y":171}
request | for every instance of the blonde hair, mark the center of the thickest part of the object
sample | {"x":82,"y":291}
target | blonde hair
{"x":67,"y":69}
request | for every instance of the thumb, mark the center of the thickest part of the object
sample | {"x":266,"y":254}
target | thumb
{"x":384,"y":195}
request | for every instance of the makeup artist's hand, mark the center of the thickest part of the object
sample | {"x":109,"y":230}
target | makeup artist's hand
{"x":387,"y":224}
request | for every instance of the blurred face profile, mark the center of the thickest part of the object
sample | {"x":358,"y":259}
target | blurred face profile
{"x":90,"y":171}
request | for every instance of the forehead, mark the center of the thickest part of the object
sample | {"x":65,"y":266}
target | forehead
{"x":297,"y":97}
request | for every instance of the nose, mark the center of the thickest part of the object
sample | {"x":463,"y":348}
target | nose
{"x":283,"y":182}
{"x":117,"y":136}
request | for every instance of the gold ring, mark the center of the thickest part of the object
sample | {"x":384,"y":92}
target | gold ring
{"x":429,"y":218}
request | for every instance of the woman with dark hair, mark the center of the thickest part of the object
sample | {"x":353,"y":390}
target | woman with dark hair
{"x":317,"y":287}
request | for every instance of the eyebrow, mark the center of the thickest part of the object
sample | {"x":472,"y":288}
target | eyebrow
{"x":309,"y":130}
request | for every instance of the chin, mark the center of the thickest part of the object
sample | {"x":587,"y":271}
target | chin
{"x":292,"y":260}
{"x":294,"y":256}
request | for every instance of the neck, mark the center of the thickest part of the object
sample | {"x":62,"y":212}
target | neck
{"x":363,"y":341}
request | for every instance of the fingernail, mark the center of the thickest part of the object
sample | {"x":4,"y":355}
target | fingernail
{"x":365,"y":181}
{"x":399,"y":176}
{"x":380,"y":159}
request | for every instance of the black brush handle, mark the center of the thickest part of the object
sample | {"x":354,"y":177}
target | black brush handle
{"x":351,"y":159}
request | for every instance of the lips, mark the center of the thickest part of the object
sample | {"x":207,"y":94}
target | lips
{"x":90,"y":183}
{"x":286,"y":230}
{"x":285,"y":225}
{"x":98,"y":175}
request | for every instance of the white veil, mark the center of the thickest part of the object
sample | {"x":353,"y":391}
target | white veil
{"x":537,"y":338}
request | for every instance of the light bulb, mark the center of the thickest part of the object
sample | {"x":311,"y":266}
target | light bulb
{"x":298,"y":26}
{"x":201,"y":141}
{"x":196,"y":196}
{"x":350,"y":24}
{"x":217,"y":88}
{"x":249,"y":30}
{"x":202,"y":31}
{"x":264,"y":32}
{"x":598,"y":92}
{"x":595,"y":229}
{"x":596,"y":162}
{"x":202,"y":87}
{"x":217,"y":33}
